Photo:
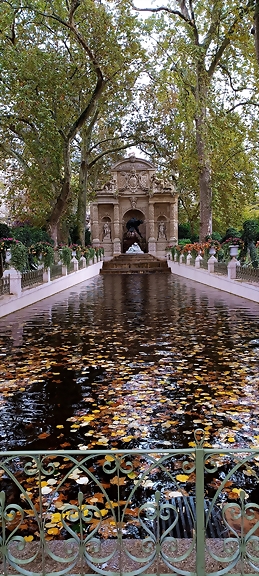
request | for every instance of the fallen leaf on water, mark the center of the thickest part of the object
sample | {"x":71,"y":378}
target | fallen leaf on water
{"x":182,"y":477}
{"x":82,"y":480}
{"x":44,"y":435}
{"x":118,"y":481}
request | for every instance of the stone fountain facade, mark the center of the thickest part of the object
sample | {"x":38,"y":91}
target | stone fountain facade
{"x":134,"y":191}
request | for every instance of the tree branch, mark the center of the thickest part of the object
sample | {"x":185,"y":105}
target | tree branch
{"x":165,"y":9}
{"x":8,"y":150}
{"x":100,"y":85}
{"x":224,"y":68}
{"x":226,"y":41}
{"x":244,"y":103}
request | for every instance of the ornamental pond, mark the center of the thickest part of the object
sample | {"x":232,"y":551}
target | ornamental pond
{"x":130,"y":361}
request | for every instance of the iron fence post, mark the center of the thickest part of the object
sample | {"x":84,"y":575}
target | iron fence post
{"x":200,"y":528}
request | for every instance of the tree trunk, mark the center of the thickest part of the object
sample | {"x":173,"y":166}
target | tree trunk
{"x":256,"y":27}
{"x":61,"y":202}
{"x":82,"y":195}
{"x":203,"y":158}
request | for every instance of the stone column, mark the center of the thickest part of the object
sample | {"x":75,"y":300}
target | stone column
{"x":173,"y":226}
{"x":151,"y":218}
{"x":95,"y":225}
{"x":116,"y":230}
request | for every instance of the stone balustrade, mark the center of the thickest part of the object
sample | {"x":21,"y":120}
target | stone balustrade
{"x":225,"y":277}
{"x":20,"y":298}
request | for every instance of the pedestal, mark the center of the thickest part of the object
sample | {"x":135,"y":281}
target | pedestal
{"x":116,"y":246}
{"x":152,"y":246}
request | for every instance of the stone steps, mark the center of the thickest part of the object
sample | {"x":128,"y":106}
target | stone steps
{"x":135,"y":264}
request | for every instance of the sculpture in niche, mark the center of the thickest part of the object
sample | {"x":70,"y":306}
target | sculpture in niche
{"x":161,"y":230}
{"x":106,"y":231}
{"x":132,"y":226}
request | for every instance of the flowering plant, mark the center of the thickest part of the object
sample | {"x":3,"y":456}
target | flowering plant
{"x":233,"y":242}
{"x":77,"y":249}
{"x":99,"y":250}
{"x":210,"y":243}
{"x":19,"y":256}
{"x":6,"y":243}
{"x":44,"y":251}
{"x":65,"y":254}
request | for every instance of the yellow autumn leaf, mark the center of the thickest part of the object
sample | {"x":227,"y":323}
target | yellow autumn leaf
{"x":59,"y":426}
{"x":111,"y":505}
{"x":182,"y":477}
{"x":127,"y":438}
{"x":109,"y":458}
{"x":237,"y":490}
{"x":28,"y":538}
{"x":103,"y":512}
{"x":56,"y":517}
{"x":53,"y":531}
{"x":231,"y":439}
{"x":132,"y":475}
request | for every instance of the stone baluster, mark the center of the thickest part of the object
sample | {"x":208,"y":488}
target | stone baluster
{"x":46,"y":275}
{"x":232,"y":268}
{"x":198,"y":260}
{"x":211,"y":262}
{"x":15,"y":281}
{"x":188,"y":259}
{"x":75,"y":263}
{"x":83,"y":260}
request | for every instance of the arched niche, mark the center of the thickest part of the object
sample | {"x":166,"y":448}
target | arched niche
{"x":106,"y":228}
{"x":162,"y":227}
{"x":127,"y":240}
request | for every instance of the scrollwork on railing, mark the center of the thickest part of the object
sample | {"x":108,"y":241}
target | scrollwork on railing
{"x":240,"y":541}
{"x":92,"y":503}
{"x":159,"y":544}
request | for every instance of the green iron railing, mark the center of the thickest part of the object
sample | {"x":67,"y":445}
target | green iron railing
{"x":31,"y":278}
{"x":5,"y":285}
{"x":129,"y":512}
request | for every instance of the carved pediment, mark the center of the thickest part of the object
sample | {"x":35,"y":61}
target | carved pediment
{"x":126,"y":165}
{"x":133,"y":180}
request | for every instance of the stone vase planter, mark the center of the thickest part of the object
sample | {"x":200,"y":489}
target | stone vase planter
{"x":233,"y":251}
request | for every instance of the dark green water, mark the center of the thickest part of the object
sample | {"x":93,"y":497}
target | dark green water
{"x":130,"y":361}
